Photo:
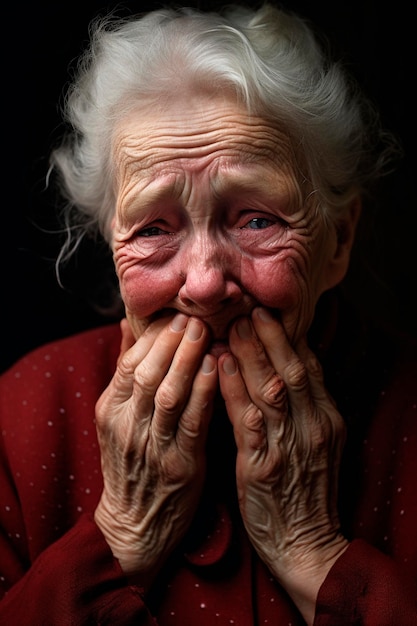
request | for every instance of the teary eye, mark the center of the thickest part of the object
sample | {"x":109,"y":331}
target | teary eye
{"x":257,"y":223}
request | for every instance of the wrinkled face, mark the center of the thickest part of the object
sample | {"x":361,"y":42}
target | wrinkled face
{"x":213,"y":217}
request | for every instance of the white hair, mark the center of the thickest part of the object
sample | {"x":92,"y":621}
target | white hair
{"x":272,"y":61}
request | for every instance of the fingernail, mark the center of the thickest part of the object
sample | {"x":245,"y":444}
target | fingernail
{"x":179,"y":322}
{"x":229,"y":365}
{"x":209,"y":364}
{"x":264,"y":315}
{"x":194,"y":330}
{"x":243,"y":328}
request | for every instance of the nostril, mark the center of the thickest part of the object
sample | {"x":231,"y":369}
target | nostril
{"x":208,"y":287}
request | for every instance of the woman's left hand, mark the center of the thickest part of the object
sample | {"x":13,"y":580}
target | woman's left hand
{"x":289,"y":438}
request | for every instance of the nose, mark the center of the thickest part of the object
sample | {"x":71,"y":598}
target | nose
{"x":211,"y":274}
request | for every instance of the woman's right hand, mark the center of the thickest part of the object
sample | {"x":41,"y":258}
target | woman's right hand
{"x":152,"y":423}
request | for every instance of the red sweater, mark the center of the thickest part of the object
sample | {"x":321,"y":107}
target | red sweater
{"x":56,"y":568}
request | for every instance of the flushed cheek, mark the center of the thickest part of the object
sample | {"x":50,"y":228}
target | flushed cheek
{"x":147,"y":289}
{"x":273,"y":283}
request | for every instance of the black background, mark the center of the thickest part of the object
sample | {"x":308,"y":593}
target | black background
{"x":40,"y":42}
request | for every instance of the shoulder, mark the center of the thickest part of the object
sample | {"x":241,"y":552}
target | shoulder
{"x":90,"y":344}
{"x":87,"y":358}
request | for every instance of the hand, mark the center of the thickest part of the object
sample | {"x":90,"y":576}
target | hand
{"x":152,"y":424}
{"x":289,"y":436}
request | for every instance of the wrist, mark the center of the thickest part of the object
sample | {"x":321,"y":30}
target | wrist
{"x":303,"y":570}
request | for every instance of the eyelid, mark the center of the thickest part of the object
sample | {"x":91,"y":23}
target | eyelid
{"x":142,"y":232}
{"x":159,"y":224}
{"x":250,"y":214}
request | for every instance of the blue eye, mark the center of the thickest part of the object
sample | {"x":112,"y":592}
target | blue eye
{"x":258,"y":223}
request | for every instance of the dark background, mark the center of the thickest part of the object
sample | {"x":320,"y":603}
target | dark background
{"x":41,"y":41}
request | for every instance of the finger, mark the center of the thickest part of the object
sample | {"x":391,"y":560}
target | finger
{"x":193,"y":424}
{"x":314,"y":370}
{"x":128,"y":338}
{"x":321,"y":397}
{"x":161,"y":332}
{"x":265,"y":386}
{"x":311,"y":405}
{"x":173,"y":390}
{"x":284,"y":359}
{"x":160,"y":327}
{"x":246,"y":418}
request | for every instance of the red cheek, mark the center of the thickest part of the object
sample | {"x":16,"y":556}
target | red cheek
{"x":272,"y":283}
{"x":147,"y":290}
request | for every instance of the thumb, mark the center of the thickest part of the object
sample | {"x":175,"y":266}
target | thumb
{"x":128,"y":339}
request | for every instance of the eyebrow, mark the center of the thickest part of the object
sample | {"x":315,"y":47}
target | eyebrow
{"x":255,"y":183}
{"x":229,"y":182}
{"x":152,"y":194}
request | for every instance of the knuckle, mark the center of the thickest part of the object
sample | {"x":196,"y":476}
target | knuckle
{"x":275,"y":393}
{"x":253,"y":419}
{"x":105,"y":408}
{"x":167,"y":400}
{"x":143,"y":379}
{"x":190,"y":425}
{"x":254,"y":428}
{"x":125,"y":365}
{"x":295,"y":375}
{"x":321,"y":436}
{"x":328,"y":434}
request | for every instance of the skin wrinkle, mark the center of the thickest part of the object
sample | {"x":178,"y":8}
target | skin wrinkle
{"x":263,"y":141}
{"x":198,"y":172}
{"x":218,"y":232}
{"x":171,"y":144}
{"x":263,"y":522}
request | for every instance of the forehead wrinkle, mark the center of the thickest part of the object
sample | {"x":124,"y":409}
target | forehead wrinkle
{"x":242,"y":146}
{"x":150,"y":193}
{"x":219,"y":142}
{"x":155,"y":141}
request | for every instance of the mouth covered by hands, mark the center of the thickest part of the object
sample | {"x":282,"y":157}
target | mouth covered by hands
{"x":152,"y":424}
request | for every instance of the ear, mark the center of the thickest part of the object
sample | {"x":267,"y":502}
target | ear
{"x":338,"y":263}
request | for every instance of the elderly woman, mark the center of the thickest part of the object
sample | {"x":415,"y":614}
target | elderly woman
{"x":246,"y":456}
